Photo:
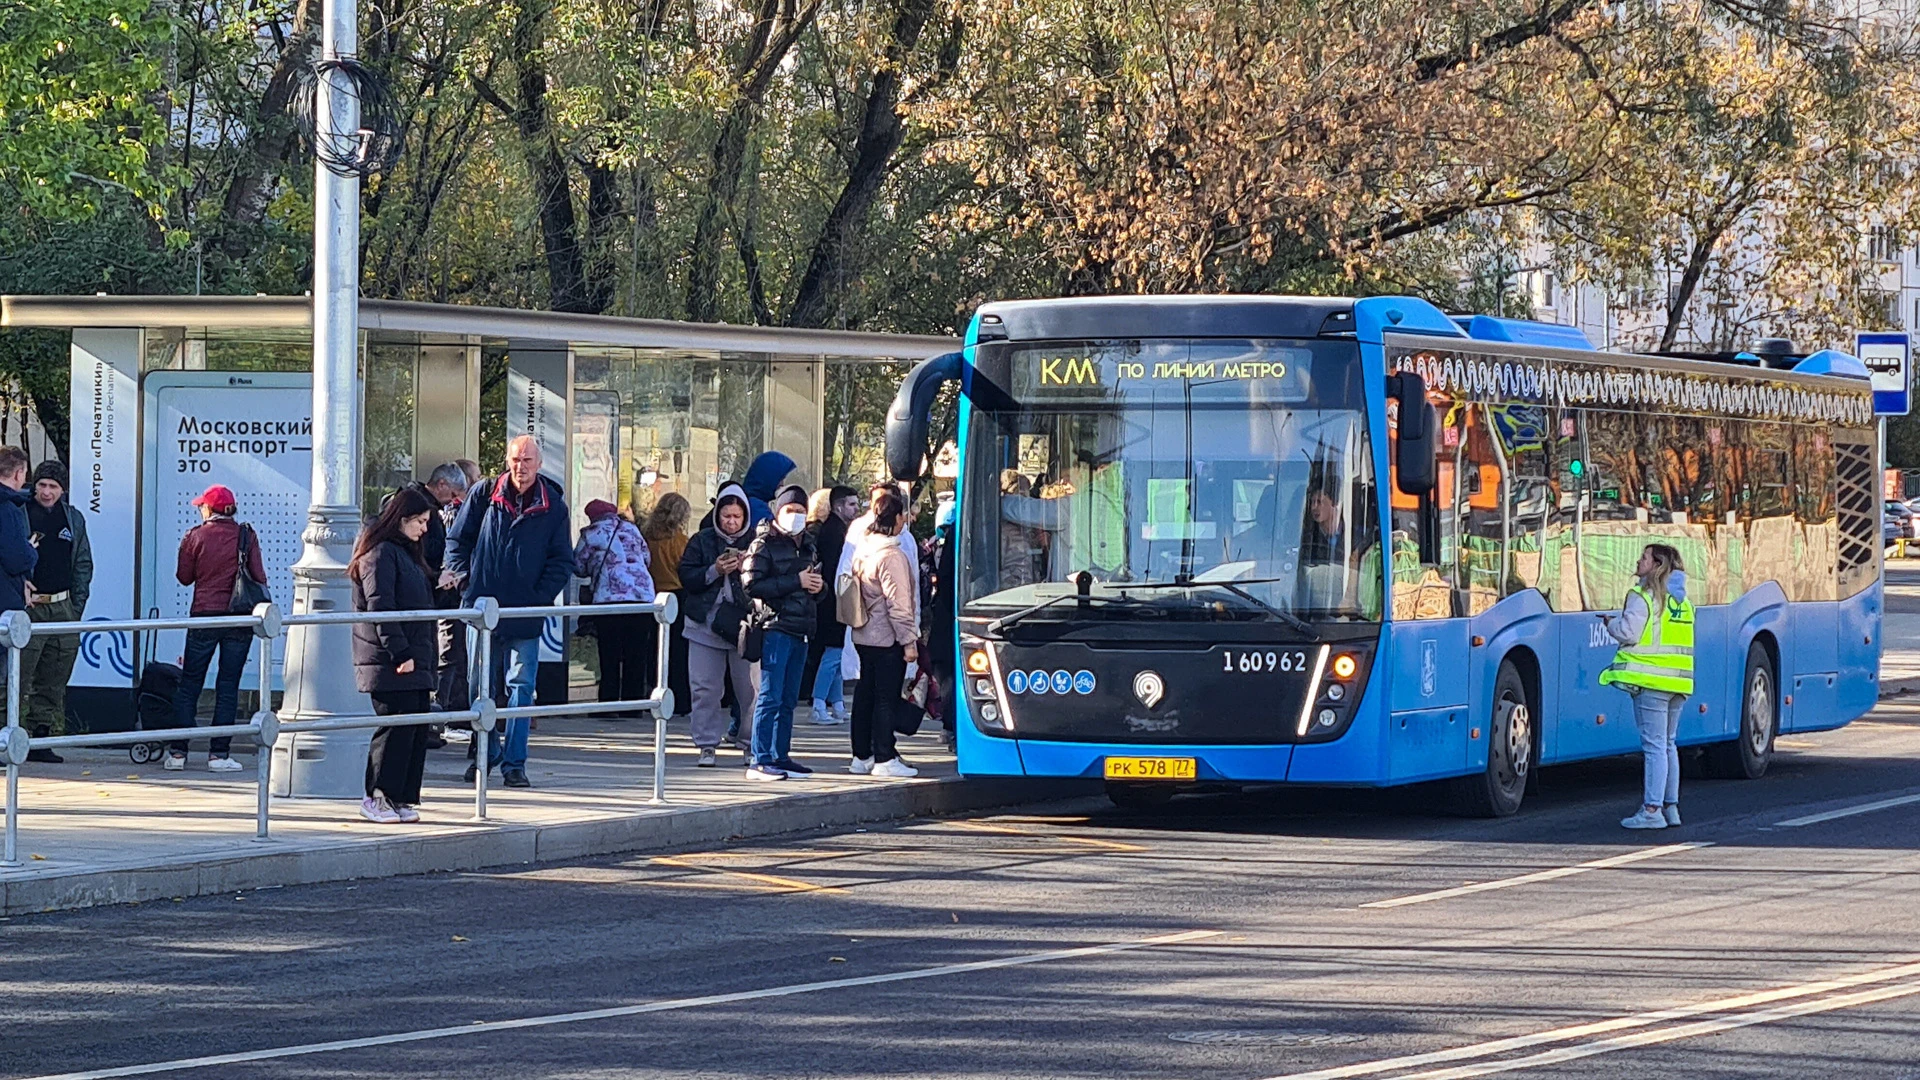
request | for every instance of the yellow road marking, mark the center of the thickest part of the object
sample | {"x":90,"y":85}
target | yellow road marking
{"x":981,"y":826}
{"x":789,"y":884}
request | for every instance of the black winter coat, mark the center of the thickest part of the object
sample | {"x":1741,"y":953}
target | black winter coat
{"x":829,"y":539}
{"x":772,"y":576}
{"x":389,"y":579}
{"x":697,"y":594}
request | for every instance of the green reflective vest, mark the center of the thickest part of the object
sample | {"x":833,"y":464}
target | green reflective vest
{"x":1663,"y":660}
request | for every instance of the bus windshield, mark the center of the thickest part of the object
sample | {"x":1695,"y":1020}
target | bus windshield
{"x":1198,"y":479}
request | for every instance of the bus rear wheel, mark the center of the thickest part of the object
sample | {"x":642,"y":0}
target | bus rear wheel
{"x":1512,"y":747}
{"x":1139,"y":796}
{"x":1749,"y":754}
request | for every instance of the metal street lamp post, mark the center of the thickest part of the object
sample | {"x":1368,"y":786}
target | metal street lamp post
{"x":319,"y":662}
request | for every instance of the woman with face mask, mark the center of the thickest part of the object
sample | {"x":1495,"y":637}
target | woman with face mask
{"x":782,"y":574}
{"x":713,"y":601}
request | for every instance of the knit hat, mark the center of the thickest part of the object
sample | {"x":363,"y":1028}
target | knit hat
{"x":600,"y":508}
{"x":51,"y":470}
{"x":792,"y":493}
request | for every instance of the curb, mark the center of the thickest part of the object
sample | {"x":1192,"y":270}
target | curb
{"x":1899,"y":688}
{"x":508,"y":845}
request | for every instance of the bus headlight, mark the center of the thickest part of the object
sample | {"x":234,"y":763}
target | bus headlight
{"x":983,"y":688}
{"x":990,"y":713}
{"x":977,"y":663}
{"x":1328,"y":717}
{"x":1335,"y":692}
{"x":1344,"y":666}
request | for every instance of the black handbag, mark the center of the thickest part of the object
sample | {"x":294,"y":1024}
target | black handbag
{"x":247,"y":593}
{"x":750,"y":641}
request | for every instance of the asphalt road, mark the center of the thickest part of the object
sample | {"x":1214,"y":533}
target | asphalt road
{"x":1224,"y":937}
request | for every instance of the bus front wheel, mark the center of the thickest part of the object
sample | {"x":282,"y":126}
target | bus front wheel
{"x":1747,"y":756}
{"x":1512,"y":751}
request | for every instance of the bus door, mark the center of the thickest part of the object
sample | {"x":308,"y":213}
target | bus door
{"x":1428,"y":631}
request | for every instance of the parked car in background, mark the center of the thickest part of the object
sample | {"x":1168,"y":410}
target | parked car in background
{"x":1896,"y":521}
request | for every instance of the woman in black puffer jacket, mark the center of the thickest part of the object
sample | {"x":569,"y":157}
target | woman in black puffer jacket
{"x":393,"y":662}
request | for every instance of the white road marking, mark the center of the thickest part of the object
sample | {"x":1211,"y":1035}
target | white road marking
{"x":1635,"y":1020}
{"x":1542,"y":875}
{"x":1846,"y":812}
{"x":1684,"y":1031}
{"x":672,"y":1005}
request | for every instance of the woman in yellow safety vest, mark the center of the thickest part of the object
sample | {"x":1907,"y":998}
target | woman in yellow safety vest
{"x":1655,"y":665}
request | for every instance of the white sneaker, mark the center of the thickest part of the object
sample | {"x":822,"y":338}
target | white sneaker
{"x":860,"y":766}
{"x":174,"y":761}
{"x":840,"y":713}
{"x":895,"y":767}
{"x":764,"y":772}
{"x":375,"y":809}
{"x":223,"y":764}
{"x":821,"y":715}
{"x":407,"y":814}
{"x":1645,"y":819}
{"x":1672,"y":813}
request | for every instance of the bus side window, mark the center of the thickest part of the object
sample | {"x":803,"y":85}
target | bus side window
{"x":1419,"y":539}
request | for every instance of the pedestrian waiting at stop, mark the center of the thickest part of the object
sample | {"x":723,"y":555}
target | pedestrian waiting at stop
{"x":828,"y":513}
{"x":62,"y":576}
{"x":884,"y":635}
{"x":18,"y":556}
{"x":783,"y":576}
{"x":715,"y":604}
{"x":512,"y":541}
{"x":613,"y":557}
{"x":665,"y":530}
{"x":393,"y":662}
{"x":1655,"y":665}
{"x":214,"y":556}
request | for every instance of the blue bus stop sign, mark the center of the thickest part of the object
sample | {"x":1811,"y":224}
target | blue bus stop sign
{"x":1889,"y":359}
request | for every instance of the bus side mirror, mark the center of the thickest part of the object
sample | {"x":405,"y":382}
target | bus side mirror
{"x":1414,"y":459}
{"x":911,"y":414}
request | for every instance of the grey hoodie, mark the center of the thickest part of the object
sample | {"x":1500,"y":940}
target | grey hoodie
{"x":1627,"y":626}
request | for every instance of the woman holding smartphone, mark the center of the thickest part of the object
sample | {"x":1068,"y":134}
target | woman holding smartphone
{"x":1655,"y":665}
{"x":713,"y":602}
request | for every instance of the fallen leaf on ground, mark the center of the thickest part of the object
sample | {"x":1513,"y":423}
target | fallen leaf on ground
{"x":836,"y":959}
{"x":39,"y":858}
{"x":457,"y":937}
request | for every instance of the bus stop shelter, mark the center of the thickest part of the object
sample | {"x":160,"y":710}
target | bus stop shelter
{"x":172,"y":393}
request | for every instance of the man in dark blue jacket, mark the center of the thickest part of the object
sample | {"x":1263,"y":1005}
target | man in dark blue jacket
{"x":512,"y":540}
{"x":18,"y":556}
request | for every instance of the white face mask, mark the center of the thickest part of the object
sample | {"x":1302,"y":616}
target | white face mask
{"x":791,"y":522}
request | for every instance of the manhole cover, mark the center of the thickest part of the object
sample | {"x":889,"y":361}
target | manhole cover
{"x":1267,"y":1037}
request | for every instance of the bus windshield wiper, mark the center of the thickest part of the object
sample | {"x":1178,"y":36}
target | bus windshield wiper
{"x":1293,"y":621}
{"x":1015,"y":618}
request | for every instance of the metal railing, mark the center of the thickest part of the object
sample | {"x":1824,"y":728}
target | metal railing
{"x":265,"y":726}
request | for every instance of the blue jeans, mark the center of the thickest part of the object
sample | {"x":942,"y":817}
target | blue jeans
{"x":516,"y":666}
{"x":234,"y":646}
{"x":827,"y":687}
{"x":1657,"y":714}
{"x":782,"y":661}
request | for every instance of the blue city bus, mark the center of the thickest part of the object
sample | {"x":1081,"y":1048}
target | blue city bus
{"x":1218,"y":540}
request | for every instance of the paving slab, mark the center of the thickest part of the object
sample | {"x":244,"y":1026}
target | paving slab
{"x":99,"y":829}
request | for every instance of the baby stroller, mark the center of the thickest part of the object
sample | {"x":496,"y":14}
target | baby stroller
{"x":153,"y":707}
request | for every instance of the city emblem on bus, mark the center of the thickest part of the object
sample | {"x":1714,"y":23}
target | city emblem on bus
{"x":1083,"y":682}
{"x":1016,"y":681}
{"x":1063,"y":681}
{"x":1037,"y":682}
{"x":1148,"y":687}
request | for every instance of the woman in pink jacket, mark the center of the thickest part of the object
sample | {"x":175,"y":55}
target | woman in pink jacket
{"x":613,"y":557}
{"x":885,"y":642}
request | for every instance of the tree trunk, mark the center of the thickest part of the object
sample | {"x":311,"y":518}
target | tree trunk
{"x":703,"y":258}
{"x":1697,"y":259}
{"x":552,"y":183}
{"x":272,"y":133}
{"x":830,"y":269}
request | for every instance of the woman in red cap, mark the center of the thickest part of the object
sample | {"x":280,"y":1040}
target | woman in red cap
{"x":612,"y":556}
{"x":211,"y":554}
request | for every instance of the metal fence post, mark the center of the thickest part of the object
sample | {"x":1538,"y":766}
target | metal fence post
{"x":482,"y":651}
{"x":15,"y":737}
{"x":662,"y":695}
{"x":265,"y":720}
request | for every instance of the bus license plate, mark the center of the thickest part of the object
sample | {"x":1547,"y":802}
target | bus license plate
{"x":1151,"y":768}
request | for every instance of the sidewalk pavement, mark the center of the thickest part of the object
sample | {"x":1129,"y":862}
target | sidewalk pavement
{"x":101,"y":830}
